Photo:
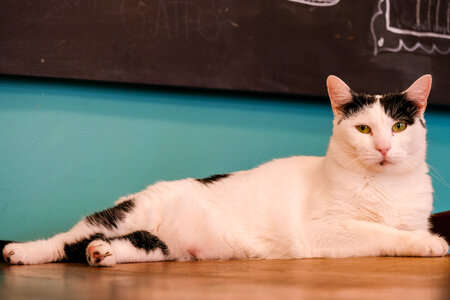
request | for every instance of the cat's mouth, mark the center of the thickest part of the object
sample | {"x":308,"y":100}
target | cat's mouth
{"x":384,"y":162}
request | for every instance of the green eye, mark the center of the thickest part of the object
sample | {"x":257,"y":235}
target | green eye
{"x":399,"y":126}
{"x":364,"y":129}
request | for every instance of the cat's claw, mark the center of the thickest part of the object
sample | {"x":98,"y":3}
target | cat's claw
{"x":100,"y":254}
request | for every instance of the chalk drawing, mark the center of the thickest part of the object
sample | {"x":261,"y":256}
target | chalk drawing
{"x":317,"y":2}
{"x":177,"y":19}
{"x":423,"y":26}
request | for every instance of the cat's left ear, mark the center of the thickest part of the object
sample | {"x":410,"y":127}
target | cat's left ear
{"x":418,"y":92}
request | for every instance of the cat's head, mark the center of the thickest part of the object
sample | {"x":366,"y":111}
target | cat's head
{"x":379,"y":133}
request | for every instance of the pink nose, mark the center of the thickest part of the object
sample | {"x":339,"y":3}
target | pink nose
{"x":383,"y":149}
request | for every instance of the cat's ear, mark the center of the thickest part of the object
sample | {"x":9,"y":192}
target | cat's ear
{"x":418,"y":91}
{"x":339,"y":93}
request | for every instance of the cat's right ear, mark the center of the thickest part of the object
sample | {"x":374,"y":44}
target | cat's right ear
{"x":418,"y":92}
{"x":339,"y":93}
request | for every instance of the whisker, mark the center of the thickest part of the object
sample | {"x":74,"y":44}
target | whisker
{"x":438,"y":176}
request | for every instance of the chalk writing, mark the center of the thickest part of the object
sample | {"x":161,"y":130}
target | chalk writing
{"x":179,"y":19}
{"x":399,"y":26}
{"x":317,"y":2}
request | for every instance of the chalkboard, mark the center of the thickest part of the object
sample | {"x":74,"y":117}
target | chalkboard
{"x":281,"y":46}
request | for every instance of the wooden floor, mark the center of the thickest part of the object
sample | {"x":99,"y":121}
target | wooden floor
{"x":361,"y":278}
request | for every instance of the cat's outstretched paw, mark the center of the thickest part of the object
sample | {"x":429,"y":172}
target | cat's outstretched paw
{"x":427,"y":245}
{"x":16,"y":254}
{"x":99,"y":253}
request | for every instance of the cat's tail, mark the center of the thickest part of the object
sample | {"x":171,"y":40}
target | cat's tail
{"x":440,"y":224}
{"x":2,"y":245}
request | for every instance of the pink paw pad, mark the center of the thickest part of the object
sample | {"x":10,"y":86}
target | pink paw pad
{"x":100,"y":255}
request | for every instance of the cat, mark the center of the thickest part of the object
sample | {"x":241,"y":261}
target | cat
{"x":371,"y":195}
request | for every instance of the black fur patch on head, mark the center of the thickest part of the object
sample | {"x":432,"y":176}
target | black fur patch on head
{"x":76,"y":252}
{"x":111,"y":216}
{"x":399,"y":108}
{"x":358,"y":102}
{"x":146,"y":241}
{"x":213,"y":178}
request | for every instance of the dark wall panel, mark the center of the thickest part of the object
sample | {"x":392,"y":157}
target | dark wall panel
{"x":259,"y":45}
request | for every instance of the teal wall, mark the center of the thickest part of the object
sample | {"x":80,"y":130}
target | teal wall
{"x":69,"y":149}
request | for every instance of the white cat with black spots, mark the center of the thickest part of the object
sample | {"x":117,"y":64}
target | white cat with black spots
{"x":371,"y":195}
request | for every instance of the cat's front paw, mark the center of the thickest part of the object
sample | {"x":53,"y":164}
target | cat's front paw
{"x":16,"y":254}
{"x":100,"y":254}
{"x":427,"y":245}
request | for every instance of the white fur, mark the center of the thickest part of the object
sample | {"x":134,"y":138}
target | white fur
{"x":342,"y":205}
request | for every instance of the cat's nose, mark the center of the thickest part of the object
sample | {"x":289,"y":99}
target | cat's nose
{"x":383,"y":149}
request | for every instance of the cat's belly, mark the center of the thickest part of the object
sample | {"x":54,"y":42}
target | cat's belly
{"x":249,"y":214}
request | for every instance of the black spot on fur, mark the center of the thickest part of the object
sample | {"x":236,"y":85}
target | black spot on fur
{"x":111,"y":216}
{"x":213,"y":178}
{"x":146,"y":241}
{"x":358,"y":102}
{"x":76,"y":252}
{"x":399,"y":108}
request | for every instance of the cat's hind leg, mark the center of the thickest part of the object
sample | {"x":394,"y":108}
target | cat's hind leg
{"x":116,"y":221}
{"x":139,"y":246}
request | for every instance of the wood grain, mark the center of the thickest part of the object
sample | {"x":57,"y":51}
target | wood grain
{"x":355,"y":278}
